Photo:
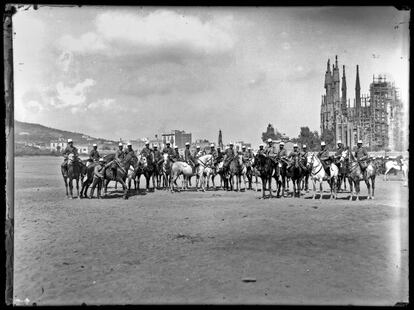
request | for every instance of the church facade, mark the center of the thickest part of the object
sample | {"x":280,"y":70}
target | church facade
{"x":377,"y":119}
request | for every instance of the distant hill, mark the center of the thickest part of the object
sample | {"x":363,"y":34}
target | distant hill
{"x":39,"y":134}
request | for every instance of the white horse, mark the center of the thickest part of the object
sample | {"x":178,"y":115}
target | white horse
{"x":205,"y":161}
{"x":318,"y":175}
{"x":393,"y":164}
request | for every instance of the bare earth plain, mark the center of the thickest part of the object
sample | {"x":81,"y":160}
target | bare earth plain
{"x":198,"y":247}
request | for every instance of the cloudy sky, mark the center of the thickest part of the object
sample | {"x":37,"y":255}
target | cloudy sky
{"x":132,"y":72}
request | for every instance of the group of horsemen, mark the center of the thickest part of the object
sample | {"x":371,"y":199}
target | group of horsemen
{"x":279,"y":155}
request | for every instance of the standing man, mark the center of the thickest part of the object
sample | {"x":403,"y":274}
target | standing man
{"x":98,"y":177}
{"x":323,"y":156}
{"x":70,"y":149}
{"x":94,"y":154}
{"x":361,"y":155}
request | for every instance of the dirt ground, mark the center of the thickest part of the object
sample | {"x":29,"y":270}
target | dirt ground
{"x":197,"y":248}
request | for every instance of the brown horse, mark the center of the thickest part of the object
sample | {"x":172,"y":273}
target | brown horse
{"x":75,"y":171}
{"x":295,"y":172}
{"x":264,"y":165}
{"x":236,"y":170}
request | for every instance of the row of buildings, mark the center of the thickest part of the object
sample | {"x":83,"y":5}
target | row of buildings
{"x":376,"y":118}
{"x":175,"y":137}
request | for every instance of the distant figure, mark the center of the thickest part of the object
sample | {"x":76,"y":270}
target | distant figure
{"x":94,"y":154}
{"x":70,"y":149}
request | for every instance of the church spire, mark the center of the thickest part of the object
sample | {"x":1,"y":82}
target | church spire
{"x":343,"y":97}
{"x":357,"y":94}
{"x":336,"y":61}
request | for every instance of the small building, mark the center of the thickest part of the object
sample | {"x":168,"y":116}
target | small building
{"x":177,"y":137}
{"x":58,"y":145}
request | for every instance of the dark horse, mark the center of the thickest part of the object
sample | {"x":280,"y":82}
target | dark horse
{"x":265,"y":167}
{"x":295,"y":172}
{"x":343,"y":170}
{"x":121,"y":173}
{"x":139,"y":169}
{"x":76,"y":169}
{"x":89,"y":173}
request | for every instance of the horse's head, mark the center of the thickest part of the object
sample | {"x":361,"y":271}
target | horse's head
{"x":142,"y":161}
{"x":344,"y":155}
{"x":239,"y":158}
{"x":71,"y":158}
{"x":309,"y":160}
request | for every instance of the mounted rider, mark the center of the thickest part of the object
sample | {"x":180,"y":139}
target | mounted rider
{"x":304,"y":155}
{"x":247,"y":156}
{"x":324,"y":157}
{"x":157,"y":154}
{"x":70,"y":149}
{"x":229,"y":155}
{"x":119,"y":156}
{"x":292,"y":155}
{"x":261,"y":149}
{"x":129,"y":150}
{"x":338,"y":152}
{"x":176,"y":155}
{"x":215,"y":154}
{"x":198,"y":152}
{"x":146,"y":151}
{"x":94,"y":154}
{"x":168,"y":150}
{"x":188,"y":157}
{"x":281,"y":155}
{"x":361,"y":155}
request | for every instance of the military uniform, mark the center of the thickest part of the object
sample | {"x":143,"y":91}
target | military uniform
{"x":94,"y":155}
{"x":157,"y":155}
{"x":338,"y":153}
{"x":261,"y":151}
{"x":129,"y":151}
{"x":188,"y":157}
{"x":120,"y":154}
{"x":229,"y":155}
{"x":271,"y":150}
{"x":97,"y":178}
{"x":281,"y":155}
{"x":361,"y":155}
{"x":323,"y":155}
{"x":68,"y":150}
{"x":146,"y":152}
{"x":176,"y":156}
{"x":169,"y":151}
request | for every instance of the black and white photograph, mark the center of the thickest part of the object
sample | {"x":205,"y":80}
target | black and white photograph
{"x":206,"y":155}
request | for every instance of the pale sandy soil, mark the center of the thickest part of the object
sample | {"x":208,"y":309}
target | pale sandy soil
{"x":196,"y":247}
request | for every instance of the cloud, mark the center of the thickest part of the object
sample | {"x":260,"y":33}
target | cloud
{"x":120,"y":33}
{"x":100,"y":104}
{"x":74,"y":96}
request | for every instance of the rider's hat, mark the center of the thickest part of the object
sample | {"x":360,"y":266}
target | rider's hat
{"x":94,"y":144}
{"x":147,"y":142}
{"x":231,"y":143}
{"x":212,"y":145}
{"x":129,"y":144}
{"x":282,"y":143}
{"x":243,"y":147}
{"x":154,"y":145}
{"x":339,"y":141}
{"x":176,"y":146}
{"x":304,"y":146}
{"x":269,"y":140}
{"x":101,"y":159}
{"x":120,"y":144}
{"x":261,"y":145}
{"x":359,"y":141}
{"x":323,"y":143}
{"x":70,"y":140}
{"x":198,"y":146}
{"x":295,"y":145}
{"x":168,"y":142}
{"x":187,"y":143}
{"x":249,"y":148}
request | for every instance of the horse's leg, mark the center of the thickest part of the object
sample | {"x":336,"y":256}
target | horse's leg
{"x":70,"y":188}
{"x":320,"y":188}
{"x":357,"y":188}
{"x":386,"y":174}
{"x":368,"y":187}
{"x":373,"y":186}
{"x":77,"y":187}
{"x":351,"y":188}
{"x":66,"y":186}
{"x":124,"y":187}
{"x":147,"y":179}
